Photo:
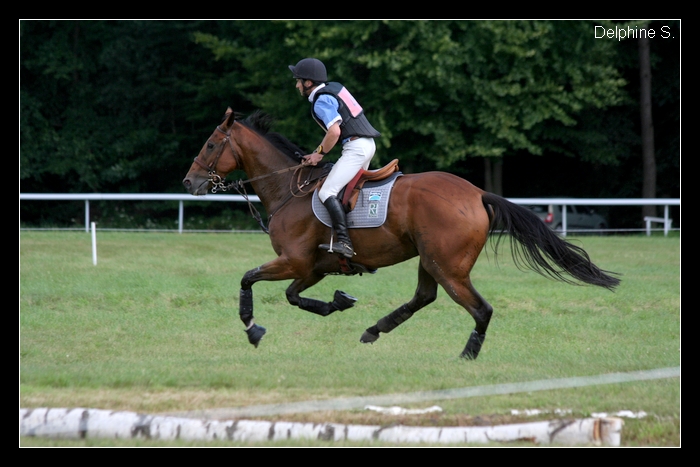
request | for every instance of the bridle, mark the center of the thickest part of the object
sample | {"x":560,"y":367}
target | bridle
{"x":219,"y":183}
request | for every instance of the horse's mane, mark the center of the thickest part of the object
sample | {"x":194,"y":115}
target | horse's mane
{"x":261,"y":123}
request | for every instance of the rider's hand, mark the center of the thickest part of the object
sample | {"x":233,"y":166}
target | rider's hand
{"x":312,"y":159}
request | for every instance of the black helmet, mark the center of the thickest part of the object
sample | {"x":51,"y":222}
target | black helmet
{"x":310,"y":68}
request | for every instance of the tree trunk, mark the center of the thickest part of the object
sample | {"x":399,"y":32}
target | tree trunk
{"x":488,"y":178}
{"x":498,"y":176}
{"x":648,"y":158}
{"x":493,"y":175}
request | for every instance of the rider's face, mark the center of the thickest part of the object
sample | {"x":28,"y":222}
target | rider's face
{"x":300,"y":86}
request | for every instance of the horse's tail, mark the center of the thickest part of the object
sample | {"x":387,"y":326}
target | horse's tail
{"x":540,"y":249}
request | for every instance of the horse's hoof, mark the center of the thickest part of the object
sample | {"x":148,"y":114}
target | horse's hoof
{"x":473,"y":347}
{"x":342,"y":301}
{"x":369,"y":338}
{"x":255,"y":334}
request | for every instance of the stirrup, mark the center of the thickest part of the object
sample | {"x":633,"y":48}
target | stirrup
{"x":340,"y":248}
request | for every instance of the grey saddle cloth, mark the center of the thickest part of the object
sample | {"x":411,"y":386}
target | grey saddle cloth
{"x":371,"y":208}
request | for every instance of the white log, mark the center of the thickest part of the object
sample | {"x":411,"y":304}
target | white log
{"x":81,"y":423}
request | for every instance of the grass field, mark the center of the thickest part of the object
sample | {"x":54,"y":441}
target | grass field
{"x":154,"y":327}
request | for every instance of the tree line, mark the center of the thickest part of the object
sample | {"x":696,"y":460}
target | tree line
{"x":521,"y":108}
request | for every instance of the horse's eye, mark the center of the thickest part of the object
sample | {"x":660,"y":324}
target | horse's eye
{"x":210,"y":145}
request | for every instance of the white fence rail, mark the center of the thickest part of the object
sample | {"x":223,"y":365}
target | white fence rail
{"x":563,"y":202}
{"x":87,"y":197}
{"x":181,"y":198}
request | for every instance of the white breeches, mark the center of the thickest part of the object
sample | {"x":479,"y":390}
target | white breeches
{"x":356,"y":155}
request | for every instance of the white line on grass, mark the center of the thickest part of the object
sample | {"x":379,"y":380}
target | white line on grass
{"x":423,"y":396}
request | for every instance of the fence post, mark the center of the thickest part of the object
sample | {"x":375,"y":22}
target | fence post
{"x":94,"y":244}
{"x":180,"y":217}
{"x":563,"y":220}
{"x":87,"y":215}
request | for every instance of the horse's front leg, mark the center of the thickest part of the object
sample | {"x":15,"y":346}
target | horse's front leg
{"x":278,"y":269}
{"x":341,"y":300}
{"x":255,"y":331}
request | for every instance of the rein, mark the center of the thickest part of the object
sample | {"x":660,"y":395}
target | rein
{"x":219,"y":183}
{"x":239,"y":186}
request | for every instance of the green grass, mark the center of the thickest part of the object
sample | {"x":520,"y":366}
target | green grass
{"x":154,"y":327}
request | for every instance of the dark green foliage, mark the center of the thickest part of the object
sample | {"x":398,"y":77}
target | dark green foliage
{"x":124,"y":106}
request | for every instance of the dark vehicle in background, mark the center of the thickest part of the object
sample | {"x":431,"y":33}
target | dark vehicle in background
{"x":577,"y":217}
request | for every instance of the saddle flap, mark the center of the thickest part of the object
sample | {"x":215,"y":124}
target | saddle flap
{"x":352,"y":189}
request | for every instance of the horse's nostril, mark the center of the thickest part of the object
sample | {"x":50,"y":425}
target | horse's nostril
{"x":187,"y":182}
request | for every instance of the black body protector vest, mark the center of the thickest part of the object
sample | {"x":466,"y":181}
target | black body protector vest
{"x":354,"y":121}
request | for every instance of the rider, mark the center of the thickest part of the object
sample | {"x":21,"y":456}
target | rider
{"x":344,"y":122}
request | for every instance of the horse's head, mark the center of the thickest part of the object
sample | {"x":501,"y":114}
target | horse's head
{"x":215,"y":160}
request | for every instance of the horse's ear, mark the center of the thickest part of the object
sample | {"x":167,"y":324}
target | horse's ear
{"x":229,"y":118}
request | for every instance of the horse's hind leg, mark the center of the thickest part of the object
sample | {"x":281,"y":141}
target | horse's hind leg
{"x":481,"y":311}
{"x":426,"y":292}
{"x":463,"y":292}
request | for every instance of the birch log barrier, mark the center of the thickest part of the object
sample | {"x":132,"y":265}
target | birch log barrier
{"x":82,"y":423}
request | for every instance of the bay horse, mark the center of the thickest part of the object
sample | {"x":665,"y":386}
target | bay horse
{"x":442,"y":218}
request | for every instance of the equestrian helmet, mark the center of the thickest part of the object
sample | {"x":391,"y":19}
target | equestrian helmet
{"x":310,"y":68}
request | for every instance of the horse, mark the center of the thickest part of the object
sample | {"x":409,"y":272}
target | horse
{"x":443,"y":219}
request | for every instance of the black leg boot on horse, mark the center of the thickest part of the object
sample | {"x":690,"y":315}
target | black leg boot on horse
{"x":342,"y":245}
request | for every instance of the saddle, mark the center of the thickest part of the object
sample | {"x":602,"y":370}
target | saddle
{"x":351,"y":192}
{"x":349,"y":196}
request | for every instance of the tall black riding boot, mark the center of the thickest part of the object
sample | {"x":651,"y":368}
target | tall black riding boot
{"x":342,"y":244}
